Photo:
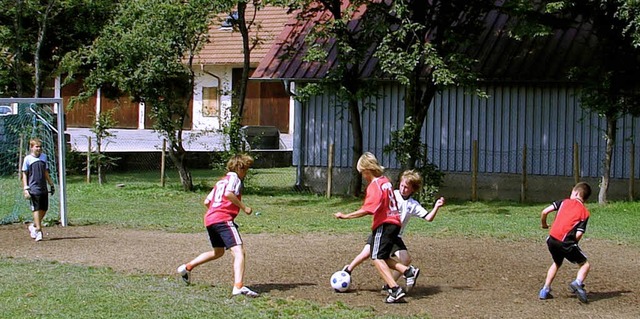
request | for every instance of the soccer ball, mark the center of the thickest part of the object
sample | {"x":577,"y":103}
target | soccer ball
{"x":340,"y":281}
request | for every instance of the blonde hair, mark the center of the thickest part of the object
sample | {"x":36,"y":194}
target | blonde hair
{"x":240,"y":161}
{"x":369,"y":162}
{"x":413,"y":178}
{"x":35,"y":141}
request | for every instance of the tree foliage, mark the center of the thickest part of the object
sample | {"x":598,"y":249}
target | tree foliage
{"x":35,"y":35}
{"x":147,"y":51}
{"x":609,"y":85}
{"x":424,"y":50}
{"x":351,"y":35}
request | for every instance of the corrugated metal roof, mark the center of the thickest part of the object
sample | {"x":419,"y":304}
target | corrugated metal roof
{"x":225,"y":46}
{"x":500,"y":57}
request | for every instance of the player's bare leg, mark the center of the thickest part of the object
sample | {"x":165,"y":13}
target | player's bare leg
{"x":362,"y":256}
{"x":238,"y":273}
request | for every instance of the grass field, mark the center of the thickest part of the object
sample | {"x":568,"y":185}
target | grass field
{"x":68,"y":291}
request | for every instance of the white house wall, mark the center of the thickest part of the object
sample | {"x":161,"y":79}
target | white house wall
{"x":210,"y":76}
{"x":548,"y":120}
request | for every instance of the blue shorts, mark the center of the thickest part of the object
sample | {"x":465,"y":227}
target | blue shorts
{"x":224,"y":235}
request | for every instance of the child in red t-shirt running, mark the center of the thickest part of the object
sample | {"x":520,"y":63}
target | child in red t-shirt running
{"x":224,"y":202}
{"x":381,"y":203}
{"x":567,"y":230}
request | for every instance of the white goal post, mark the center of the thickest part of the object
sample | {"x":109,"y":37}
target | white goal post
{"x":62,"y":150}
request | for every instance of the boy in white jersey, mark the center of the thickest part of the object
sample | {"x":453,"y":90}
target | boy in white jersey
{"x":224,"y":202}
{"x":410,"y":182}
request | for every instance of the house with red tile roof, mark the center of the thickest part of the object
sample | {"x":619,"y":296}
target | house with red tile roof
{"x":218,"y":68}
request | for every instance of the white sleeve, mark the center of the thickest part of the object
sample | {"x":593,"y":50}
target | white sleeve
{"x":416,"y":209}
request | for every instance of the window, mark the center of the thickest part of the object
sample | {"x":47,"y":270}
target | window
{"x":210,"y":101}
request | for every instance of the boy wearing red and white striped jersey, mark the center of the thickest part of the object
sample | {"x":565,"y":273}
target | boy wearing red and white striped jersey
{"x":381,"y":203}
{"x":224,"y":202}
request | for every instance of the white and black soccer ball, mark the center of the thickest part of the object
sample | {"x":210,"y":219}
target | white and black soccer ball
{"x":340,"y":281}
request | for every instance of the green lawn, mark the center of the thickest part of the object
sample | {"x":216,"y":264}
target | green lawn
{"x":53,"y":290}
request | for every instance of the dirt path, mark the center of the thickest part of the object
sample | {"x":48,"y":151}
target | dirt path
{"x":461,"y":278}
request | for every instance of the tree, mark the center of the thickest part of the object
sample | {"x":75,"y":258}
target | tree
{"x":147,"y":51}
{"x":424,"y":50}
{"x":243,"y":21}
{"x":609,"y":85}
{"x":351,"y":35}
{"x":35,"y":35}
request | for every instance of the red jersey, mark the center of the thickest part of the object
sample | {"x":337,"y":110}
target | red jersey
{"x":381,"y":203}
{"x":220,"y":208}
{"x":572,"y":217}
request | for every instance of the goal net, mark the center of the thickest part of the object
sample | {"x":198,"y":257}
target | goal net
{"x":20,"y":121}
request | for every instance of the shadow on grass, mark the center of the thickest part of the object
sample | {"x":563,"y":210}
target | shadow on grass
{"x":263,"y":288}
{"x":71,"y":238}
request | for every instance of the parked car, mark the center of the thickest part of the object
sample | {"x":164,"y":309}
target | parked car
{"x":5,"y":110}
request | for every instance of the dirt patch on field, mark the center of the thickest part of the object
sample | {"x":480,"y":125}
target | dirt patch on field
{"x":461,"y":277}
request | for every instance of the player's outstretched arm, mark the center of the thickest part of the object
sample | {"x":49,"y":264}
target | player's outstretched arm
{"x":434,"y":211}
{"x":357,"y":214}
{"x":543,"y":215}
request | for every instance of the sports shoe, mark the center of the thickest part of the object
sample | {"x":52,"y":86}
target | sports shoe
{"x":578,"y":290}
{"x":38,"y":235}
{"x":545,"y":293}
{"x":32,"y":231}
{"x":395,"y":295}
{"x":411,"y":275}
{"x":182,"y":270}
{"x":244,"y":291}
{"x":346,"y":269}
{"x":385,"y":289}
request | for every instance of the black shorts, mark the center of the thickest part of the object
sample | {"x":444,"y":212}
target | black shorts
{"x":224,"y":235}
{"x":570,"y":251}
{"x":39,"y":202}
{"x":384,"y":238}
{"x":399,"y":245}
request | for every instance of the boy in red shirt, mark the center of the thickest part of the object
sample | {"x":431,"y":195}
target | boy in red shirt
{"x":567,"y":230}
{"x":381,"y":203}
{"x":224,"y":202}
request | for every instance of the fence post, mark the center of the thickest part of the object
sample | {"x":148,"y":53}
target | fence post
{"x":20,"y":158}
{"x":632,"y":172}
{"x":162,"y":161}
{"x":576,"y":163}
{"x":88,"y":159}
{"x":474,"y":171}
{"x":330,"y":170}
{"x":523,"y":186}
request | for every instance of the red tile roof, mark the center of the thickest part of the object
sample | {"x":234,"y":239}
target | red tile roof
{"x":225,"y":46}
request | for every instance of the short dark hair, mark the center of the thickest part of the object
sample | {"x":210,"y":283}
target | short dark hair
{"x":583,"y":189}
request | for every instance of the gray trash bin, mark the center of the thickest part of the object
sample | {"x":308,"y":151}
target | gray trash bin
{"x":261,"y":137}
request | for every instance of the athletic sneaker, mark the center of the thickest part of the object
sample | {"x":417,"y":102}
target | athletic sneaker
{"x":395,"y":295}
{"x":346,"y":269}
{"x":38,"y":235}
{"x":386,"y":288}
{"x":545,"y":293}
{"x":411,"y":275}
{"x":32,"y":231}
{"x":182,"y":270}
{"x":578,"y":290}
{"x":244,"y":291}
